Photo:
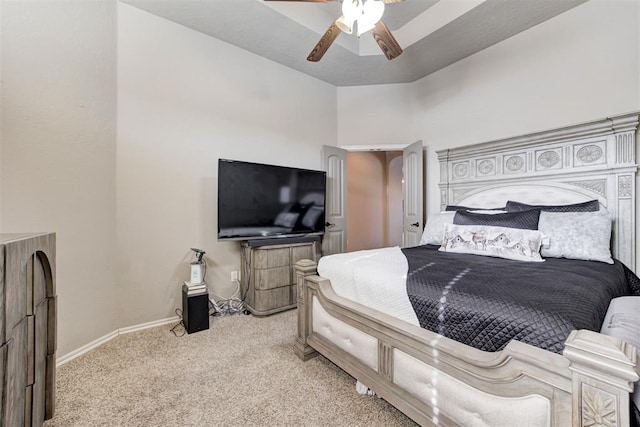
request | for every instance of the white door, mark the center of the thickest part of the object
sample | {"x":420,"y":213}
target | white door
{"x":412,"y":184}
{"x":334,"y":162}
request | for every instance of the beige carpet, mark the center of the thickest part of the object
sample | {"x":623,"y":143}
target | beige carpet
{"x":242,"y":371}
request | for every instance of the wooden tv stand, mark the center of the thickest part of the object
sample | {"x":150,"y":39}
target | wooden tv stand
{"x":268,"y":277}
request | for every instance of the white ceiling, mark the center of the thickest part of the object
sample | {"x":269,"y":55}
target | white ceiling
{"x":433,"y":33}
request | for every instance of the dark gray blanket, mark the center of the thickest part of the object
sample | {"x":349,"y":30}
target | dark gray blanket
{"x":486,"y":302}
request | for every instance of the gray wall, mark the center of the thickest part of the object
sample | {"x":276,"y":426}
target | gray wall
{"x":58,"y":147}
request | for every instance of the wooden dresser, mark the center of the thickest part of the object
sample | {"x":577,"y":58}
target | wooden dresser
{"x":268,"y":278}
{"x":27,"y":328}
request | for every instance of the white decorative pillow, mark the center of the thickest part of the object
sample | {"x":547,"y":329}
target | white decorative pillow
{"x":434,"y":229}
{"x":577,"y":235}
{"x":502,"y":242}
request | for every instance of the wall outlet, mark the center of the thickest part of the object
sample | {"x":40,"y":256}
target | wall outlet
{"x":235,"y":276}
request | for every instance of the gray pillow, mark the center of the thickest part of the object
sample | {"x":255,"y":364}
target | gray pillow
{"x":590,"y":206}
{"x":525,"y":220}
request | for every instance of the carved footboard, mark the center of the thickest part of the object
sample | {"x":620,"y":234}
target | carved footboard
{"x":437,"y":381}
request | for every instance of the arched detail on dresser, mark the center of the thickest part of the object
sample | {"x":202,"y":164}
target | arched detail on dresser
{"x":28,"y":309}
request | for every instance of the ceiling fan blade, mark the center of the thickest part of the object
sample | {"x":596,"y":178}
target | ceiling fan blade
{"x":325,"y":42}
{"x":386,"y":41}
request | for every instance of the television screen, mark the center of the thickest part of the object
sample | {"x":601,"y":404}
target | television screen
{"x":262,"y":201}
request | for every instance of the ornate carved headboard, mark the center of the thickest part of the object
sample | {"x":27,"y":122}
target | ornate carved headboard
{"x":594,"y":160}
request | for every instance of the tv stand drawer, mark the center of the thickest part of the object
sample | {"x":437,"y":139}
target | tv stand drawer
{"x":271,"y":301}
{"x":268,"y":278}
{"x":270,"y":257}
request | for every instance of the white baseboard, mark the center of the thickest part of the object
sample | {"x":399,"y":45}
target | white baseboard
{"x":111,"y":335}
{"x":148,"y":325}
{"x":86,"y":348}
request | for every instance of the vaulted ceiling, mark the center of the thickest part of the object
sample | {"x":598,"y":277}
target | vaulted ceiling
{"x":433,"y":33}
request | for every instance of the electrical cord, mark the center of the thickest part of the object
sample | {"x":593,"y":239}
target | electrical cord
{"x":204,"y":273}
{"x":220,"y":306}
{"x":226,"y":306}
{"x":246,"y":270}
{"x":180,"y":323}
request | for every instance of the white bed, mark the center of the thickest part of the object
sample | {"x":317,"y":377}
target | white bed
{"x":438,"y":381}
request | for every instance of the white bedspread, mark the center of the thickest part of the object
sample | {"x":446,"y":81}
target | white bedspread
{"x":375,"y":278}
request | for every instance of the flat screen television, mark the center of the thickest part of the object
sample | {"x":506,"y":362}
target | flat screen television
{"x":258,"y":201}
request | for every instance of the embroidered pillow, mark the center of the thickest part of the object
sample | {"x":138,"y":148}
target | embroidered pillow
{"x":525,"y":219}
{"x":577,"y":235}
{"x":434,"y":228}
{"x":590,"y":206}
{"x":510,"y":243}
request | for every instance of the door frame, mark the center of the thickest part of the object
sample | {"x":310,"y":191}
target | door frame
{"x":396,"y":147}
{"x":381,"y":147}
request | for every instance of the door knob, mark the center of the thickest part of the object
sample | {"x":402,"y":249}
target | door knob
{"x":328,"y":224}
{"x":415,"y":224}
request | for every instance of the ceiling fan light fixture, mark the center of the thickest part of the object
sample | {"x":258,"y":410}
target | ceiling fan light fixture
{"x":372,"y":12}
{"x":364,"y":26}
{"x":367,"y":15}
{"x":345,"y":25}
{"x":352,"y":9}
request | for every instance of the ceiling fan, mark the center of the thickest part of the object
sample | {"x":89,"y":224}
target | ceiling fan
{"x":367,"y":14}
